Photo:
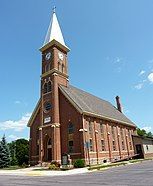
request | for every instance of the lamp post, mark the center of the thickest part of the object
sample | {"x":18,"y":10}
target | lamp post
{"x":86,"y":143}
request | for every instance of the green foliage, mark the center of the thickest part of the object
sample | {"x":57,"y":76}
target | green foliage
{"x":19,"y":151}
{"x":79,"y":163}
{"x":98,"y":167}
{"x":4,"y":153}
{"x":150,"y":135}
{"x":12,"y":148}
{"x":24,"y":165}
{"x":22,"y":151}
{"x":143,"y":133}
{"x":55,"y":165}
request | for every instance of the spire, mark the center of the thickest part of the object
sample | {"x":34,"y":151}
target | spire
{"x":54,"y":31}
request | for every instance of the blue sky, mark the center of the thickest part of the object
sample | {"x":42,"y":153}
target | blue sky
{"x":111,"y":54}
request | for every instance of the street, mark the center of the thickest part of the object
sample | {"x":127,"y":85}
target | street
{"x":139,"y":174}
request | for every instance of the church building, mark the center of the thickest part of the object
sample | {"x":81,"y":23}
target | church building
{"x":67,"y":120}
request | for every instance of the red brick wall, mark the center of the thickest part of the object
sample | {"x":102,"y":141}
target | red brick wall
{"x":109,"y":152}
{"x":34,"y":157}
{"x":69,"y":114}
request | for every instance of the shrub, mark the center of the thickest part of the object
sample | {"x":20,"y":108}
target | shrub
{"x":53,"y":167}
{"x":56,"y":163}
{"x":79,"y":163}
{"x":24,"y":165}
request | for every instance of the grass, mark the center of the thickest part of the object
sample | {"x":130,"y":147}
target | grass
{"x":103,"y":166}
{"x":12,"y":168}
{"x":98,"y":167}
{"x":41,"y":169}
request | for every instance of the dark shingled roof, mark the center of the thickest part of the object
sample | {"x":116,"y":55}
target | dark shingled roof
{"x":92,"y":104}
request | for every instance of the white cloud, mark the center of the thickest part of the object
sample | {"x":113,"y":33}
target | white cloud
{"x":118,"y":60}
{"x":18,"y":125}
{"x":142,"y":72}
{"x":150,"y":77}
{"x":147,"y":129}
{"x":139,"y":86}
{"x":13,"y":137}
{"x":17,"y":102}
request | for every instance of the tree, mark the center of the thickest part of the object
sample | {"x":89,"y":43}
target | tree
{"x":4,"y":153}
{"x":22,"y":151}
{"x":142,"y":132}
{"x":12,"y":148}
{"x":149,"y":134}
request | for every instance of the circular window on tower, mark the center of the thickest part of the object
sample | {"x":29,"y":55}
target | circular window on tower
{"x":47,"y":106}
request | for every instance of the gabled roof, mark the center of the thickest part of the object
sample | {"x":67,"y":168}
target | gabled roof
{"x":34,"y":114}
{"x":92,"y":105}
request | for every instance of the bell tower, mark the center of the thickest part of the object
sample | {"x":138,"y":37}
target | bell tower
{"x":54,"y":73}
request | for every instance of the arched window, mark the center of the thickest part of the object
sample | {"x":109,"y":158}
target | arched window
{"x":62,"y":68}
{"x":70,"y":128}
{"x":46,"y":68}
{"x":45,"y":88}
{"x":37,"y":141}
{"x":59,"y":65}
{"x":49,"y":141}
{"x":90,"y":127}
{"x":50,"y":66}
{"x":49,"y":86}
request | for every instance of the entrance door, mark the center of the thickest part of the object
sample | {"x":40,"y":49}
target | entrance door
{"x":49,"y":154}
{"x":49,"y":150}
{"x":139,"y":150}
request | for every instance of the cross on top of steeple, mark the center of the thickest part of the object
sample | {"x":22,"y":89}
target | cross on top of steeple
{"x":54,"y":9}
{"x":54,"y":31}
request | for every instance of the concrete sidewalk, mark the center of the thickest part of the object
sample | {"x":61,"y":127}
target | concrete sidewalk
{"x":32,"y":171}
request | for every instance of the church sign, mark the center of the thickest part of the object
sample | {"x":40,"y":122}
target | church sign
{"x":65,"y":159}
{"x":47,"y":120}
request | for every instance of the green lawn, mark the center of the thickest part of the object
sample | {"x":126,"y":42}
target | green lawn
{"x":99,"y":167}
{"x":12,"y":168}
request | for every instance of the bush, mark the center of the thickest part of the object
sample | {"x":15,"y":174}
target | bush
{"x":56,"y":163}
{"x":24,"y":165}
{"x":52,"y":167}
{"x":79,"y":163}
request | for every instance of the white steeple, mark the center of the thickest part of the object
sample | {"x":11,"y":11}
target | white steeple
{"x":54,"y":31}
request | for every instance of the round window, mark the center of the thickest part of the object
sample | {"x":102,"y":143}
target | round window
{"x":47,"y":106}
